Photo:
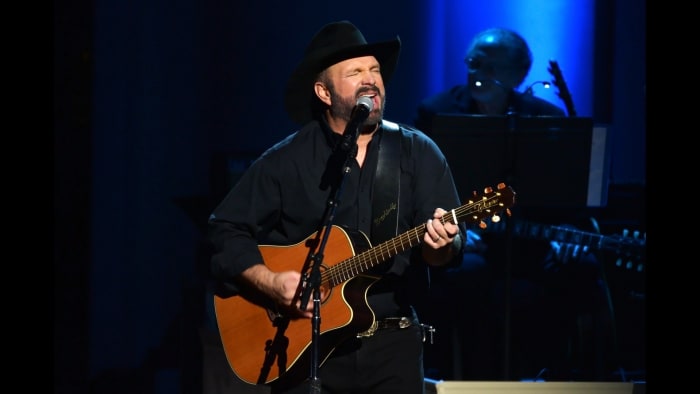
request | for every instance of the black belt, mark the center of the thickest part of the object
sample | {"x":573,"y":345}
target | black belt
{"x":387,"y":322}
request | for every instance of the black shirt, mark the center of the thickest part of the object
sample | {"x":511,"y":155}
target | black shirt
{"x":281,"y":199}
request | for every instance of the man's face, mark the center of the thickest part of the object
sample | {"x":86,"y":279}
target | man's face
{"x":351,"y":79}
{"x":490,"y":72}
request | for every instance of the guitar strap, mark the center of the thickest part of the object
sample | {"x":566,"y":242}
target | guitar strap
{"x":385,"y":198}
{"x":385,"y":209}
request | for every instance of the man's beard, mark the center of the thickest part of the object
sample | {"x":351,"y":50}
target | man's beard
{"x":342,"y":107}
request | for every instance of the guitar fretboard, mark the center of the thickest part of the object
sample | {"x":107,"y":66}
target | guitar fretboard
{"x":552,"y":233}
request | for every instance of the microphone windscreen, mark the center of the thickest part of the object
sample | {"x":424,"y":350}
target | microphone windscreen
{"x":366,"y":101}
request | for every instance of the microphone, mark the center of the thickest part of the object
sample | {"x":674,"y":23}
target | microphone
{"x":510,"y":112}
{"x":359,"y":114}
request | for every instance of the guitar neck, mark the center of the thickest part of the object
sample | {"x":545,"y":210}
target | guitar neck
{"x":569,"y":235}
{"x":560,"y":83}
{"x":490,"y":204}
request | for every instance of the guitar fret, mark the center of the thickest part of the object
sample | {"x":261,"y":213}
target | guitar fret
{"x":383,"y":252}
{"x":332,"y":280}
{"x":378,"y":256}
{"x":364,"y":263}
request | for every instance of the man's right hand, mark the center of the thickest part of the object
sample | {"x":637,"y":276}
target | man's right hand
{"x":282,"y":287}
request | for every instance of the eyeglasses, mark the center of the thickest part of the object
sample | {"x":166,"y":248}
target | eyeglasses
{"x":486,"y":65}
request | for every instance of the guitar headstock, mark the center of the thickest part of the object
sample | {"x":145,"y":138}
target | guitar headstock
{"x":630,"y":249}
{"x":491,"y":204}
{"x":563,"y":90}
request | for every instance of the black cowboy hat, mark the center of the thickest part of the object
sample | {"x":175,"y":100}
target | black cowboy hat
{"x":334,"y":43}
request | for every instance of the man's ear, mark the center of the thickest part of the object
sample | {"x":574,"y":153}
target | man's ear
{"x":322,"y":93}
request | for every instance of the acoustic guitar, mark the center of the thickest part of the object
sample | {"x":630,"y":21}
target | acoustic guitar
{"x":264,"y":345}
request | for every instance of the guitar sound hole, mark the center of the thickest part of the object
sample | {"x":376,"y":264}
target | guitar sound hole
{"x":325,"y":294}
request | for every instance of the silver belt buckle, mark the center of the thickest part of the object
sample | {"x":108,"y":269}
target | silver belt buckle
{"x":404,"y":322}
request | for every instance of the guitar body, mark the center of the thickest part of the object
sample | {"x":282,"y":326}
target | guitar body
{"x":263,"y":344}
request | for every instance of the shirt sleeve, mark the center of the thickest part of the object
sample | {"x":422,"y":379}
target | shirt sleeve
{"x":434,"y":186}
{"x":240,"y":220}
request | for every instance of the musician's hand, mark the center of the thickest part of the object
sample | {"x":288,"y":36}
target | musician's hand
{"x":441,"y":242}
{"x":438,"y":235}
{"x":281,"y":287}
{"x":564,"y":253}
{"x":287,"y":285}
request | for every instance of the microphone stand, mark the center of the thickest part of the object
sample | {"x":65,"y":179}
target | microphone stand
{"x":313,"y":279}
{"x":510,"y":156}
{"x":511,"y":150}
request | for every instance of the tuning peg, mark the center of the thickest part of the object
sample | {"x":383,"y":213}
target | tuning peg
{"x":630,"y":265}
{"x":495,"y":218}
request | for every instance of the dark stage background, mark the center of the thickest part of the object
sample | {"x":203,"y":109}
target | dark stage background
{"x":159,"y":104}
